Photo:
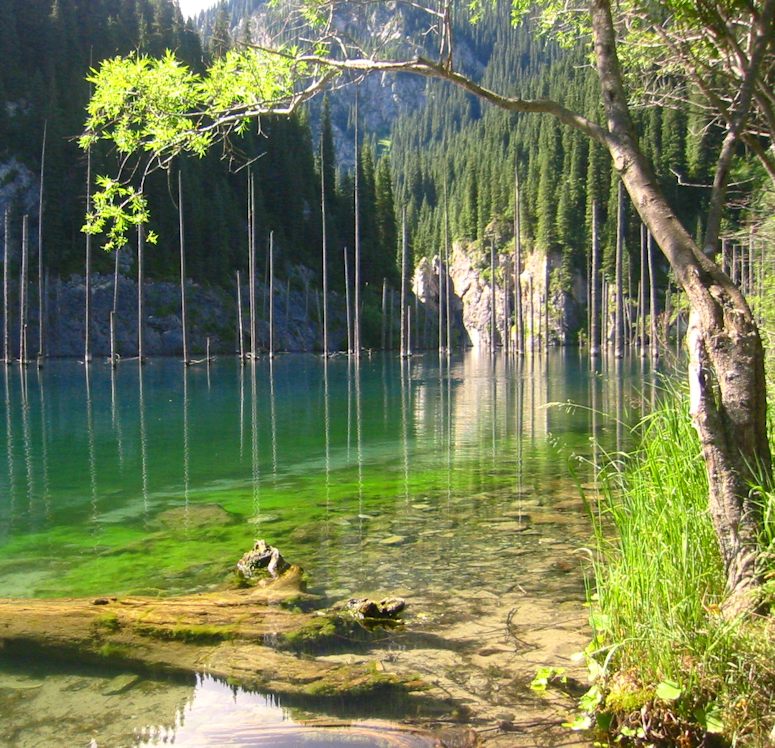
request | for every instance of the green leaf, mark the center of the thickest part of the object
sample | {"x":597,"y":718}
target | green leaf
{"x":599,"y":621}
{"x":710,"y":719}
{"x":544,"y":675}
{"x":668,"y":690}
{"x":579,"y":722}
{"x":591,"y":699}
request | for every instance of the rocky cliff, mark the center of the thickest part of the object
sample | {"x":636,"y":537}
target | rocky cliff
{"x":550,"y":312}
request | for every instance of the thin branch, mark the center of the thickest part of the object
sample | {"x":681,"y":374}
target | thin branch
{"x":428,"y":69}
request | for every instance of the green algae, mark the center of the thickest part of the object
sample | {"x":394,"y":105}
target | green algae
{"x":176,"y":519}
{"x":114,"y":651}
{"x":324,"y":633}
{"x":107,"y":622}
{"x":189,"y":633}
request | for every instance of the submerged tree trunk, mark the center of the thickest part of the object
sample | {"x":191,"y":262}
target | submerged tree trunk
{"x":186,"y":360}
{"x":403,"y":351}
{"x":726,"y":373}
{"x":87,"y":270}
{"x":324,"y":248}
{"x":140,"y":294}
{"x":41,"y":273}
{"x":6,"y":304}
{"x":594,"y":288}
{"x":252,"y":637}
{"x":519,"y":343}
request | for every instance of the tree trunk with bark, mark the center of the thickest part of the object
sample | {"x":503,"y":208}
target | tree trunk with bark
{"x":726,"y":372}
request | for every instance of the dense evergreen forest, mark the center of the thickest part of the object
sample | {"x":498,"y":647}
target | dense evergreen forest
{"x":457,"y":144}
{"x":451,"y":161}
{"x":48,"y":48}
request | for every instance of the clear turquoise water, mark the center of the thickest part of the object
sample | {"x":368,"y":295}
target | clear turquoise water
{"x":380,"y":477}
{"x":304,"y":454}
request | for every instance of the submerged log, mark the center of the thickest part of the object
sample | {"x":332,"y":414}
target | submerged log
{"x":251,"y":637}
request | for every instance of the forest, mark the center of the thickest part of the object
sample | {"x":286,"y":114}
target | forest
{"x":533,"y":244}
{"x":51,"y":47}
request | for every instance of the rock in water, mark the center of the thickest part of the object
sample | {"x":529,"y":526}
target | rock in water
{"x":120,"y":684}
{"x":389,"y":607}
{"x":262,"y":556}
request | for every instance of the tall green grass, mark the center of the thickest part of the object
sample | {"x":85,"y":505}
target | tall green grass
{"x":656,"y":596}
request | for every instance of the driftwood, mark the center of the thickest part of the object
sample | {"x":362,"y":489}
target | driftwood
{"x":252,"y":637}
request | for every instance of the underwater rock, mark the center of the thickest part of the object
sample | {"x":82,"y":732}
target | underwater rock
{"x":262,"y":556}
{"x":120,"y":684}
{"x":393,"y":540}
{"x":194,"y":516}
{"x":389,"y":607}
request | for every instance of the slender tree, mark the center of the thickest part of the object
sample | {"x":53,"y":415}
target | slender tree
{"x":383,"y":336}
{"x":652,"y":297}
{"x":141,"y":294}
{"x":447,"y":287}
{"x":114,"y":310}
{"x":442,"y":252}
{"x":87,"y":270}
{"x":594,"y":288}
{"x":181,"y":230}
{"x":23,"y":291}
{"x":324,"y":258}
{"x":403,"y":285}
{"x":252,"y":264}
{"x":618,"y":280}
{"x":41,"y":272}
{"x":519,"y":347}
{"x":642,"y":292}
{"x":240,"y":333}
{"x":347,"y":303}
{"x":6,"y":273}
{"x":357,"y":259}
{"x":493,"y":310}
{"x":271,"y":294}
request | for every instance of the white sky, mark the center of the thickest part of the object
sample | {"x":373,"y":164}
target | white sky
{"x":192,"y":7}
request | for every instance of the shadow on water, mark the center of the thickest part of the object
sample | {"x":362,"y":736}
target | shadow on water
{"x":440,"y":479}
{"x":51,"y":704}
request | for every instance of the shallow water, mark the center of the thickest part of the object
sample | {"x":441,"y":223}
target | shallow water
{"x":454,"y":486}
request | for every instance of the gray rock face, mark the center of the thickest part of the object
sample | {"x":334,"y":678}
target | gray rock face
{"x":211,"y":313}
{"x":472,"y":298}
{"x":19,"y":186}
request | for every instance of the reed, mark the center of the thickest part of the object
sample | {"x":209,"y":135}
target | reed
{"x":671,"y":662}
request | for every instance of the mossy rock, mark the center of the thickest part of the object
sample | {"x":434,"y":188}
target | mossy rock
{"x":107,"y":622}
{"x":324,"y":633}
{"x":357,"y":682}
{"x":191,"y":633}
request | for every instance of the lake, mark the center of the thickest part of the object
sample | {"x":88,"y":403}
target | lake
{"x":452,"y":483}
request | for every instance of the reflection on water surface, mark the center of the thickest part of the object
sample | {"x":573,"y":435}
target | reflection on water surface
{"x":447,"y":484}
